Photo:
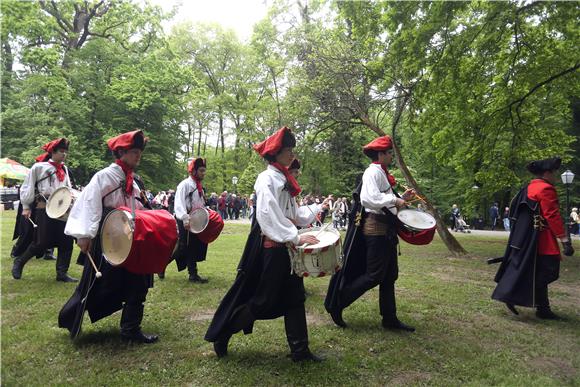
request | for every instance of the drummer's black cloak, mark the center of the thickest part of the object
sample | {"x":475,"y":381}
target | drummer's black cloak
{"x":103,"y":296}
{"x":354,"y":254}
{"x":517,"y":274}
{"x":243,"y":288}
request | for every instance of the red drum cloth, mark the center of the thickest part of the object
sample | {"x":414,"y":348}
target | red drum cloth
{"x":416,"y":237}
{"x":154,"y":239}
{"x":213,"y":229}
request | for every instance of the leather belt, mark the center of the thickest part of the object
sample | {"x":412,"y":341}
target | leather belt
{"x":268,"y":243}
{"x":378,"y":217}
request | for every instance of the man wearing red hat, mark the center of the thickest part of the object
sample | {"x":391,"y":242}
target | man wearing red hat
{"x":117,"y":289}
{"x":190,"y":195}
{"x":44,"y":178}
{"x":265,"y":288}
{"x":532,"y":257}
{"x":373,"y":259}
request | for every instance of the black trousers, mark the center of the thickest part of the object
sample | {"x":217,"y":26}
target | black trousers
{"x":382,"y":269}
{"x":278,"y":293}
{"x":190,"y":250}
{"x":50,"y":233}
{"x":135,"y":293}
{"x":547,"y":271}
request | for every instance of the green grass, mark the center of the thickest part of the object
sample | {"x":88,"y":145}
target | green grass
{"x":462,"y":337}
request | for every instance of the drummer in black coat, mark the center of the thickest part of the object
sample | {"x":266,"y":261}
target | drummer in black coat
{"x":45,"y":177}
{"x":188,"y":196}
{"x":371,"y":242}
{"x":117,"y":289}
{"x":265,"y":287}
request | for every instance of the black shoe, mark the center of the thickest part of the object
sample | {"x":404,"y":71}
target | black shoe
{"x":220,"y":346}
{"x":66,"y":278}
{"x":17,"y":269}
{"x":139,"y":337}
{"x":305,"y":356}
{"x":337,"y":318}
{"x":397,"y":325}
{"x":512,"y":308}
{"x":197,"y":279}
{"x":547,"y":314}
{"x":161,"y":275}
{"x":49,"y":257}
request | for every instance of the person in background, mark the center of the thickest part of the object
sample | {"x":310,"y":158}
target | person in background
{"x":506,"y":219}
{"x":493,"y":215}
{"x":574,"y":222}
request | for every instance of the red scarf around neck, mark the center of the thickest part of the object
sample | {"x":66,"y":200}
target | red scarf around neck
{"x":60,"y":174}
{"x":390,"y":178}
{"x":128,"y":176}
{"x":198,"y":185}
{"x":293,"y":185}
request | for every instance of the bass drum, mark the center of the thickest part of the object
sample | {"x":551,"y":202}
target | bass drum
{"x":142,"y":245}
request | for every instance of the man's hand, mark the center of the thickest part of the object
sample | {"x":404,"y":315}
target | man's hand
{"x":409,"y":194}
{"x":26,"y":213}
{"x":399,"y":203}
{"x":186,"y":226}
{"x":568,"y":249}
{"x":84,"y":244}
{"x":308,"y":239}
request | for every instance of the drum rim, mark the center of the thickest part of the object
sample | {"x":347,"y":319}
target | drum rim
{"x":414,"y":228}
{"x":312,"y":229}
{"x":129,"y":217}
{"x":48,"y":207}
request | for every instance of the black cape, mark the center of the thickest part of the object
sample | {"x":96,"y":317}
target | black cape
{"x":244,"y":286}
{"x":103,"y":296}
{"x":517,"y":273}
{"x":354,"y":254}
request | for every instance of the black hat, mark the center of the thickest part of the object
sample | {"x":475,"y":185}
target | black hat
{"x":540,"y":166}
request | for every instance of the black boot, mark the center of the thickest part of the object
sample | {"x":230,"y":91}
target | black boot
{"x":336,"y":316}
{"x":297,"y":335}
{"x":131,"y":324}
{"x":48,"y":255}
{"x":545,"y":313}
{"x":397,"y":325}
{"x":241,"y":318}
{"x":62,"y":265}
{"x":161,"y":275}
{"x":512,"y":308}
{"x":197,"y":279}
{"x":19,"y":263}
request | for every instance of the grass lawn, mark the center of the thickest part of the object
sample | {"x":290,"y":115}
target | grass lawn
{"x":463,"y":337}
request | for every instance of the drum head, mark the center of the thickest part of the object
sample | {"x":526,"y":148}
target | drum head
{"x":327,"y":237}
{"x":198,"y":220}
{"x":116,"y":237}
{"x":416,"y":220}
{"x":59,"y":202}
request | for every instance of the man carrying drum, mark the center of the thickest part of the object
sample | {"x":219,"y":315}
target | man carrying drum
{"x":190,"y":196}
{"x":117,"y":288}
{"x":378,"y":265}
{"x":43,"y":179}
{"x":265,"y":288}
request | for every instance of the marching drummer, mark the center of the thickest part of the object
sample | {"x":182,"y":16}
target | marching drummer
{"x":46,"y":176}
{"x":189,"y":196}
{"x":112,"y":288}
{"x":377,"y":265}
{"x":265,"y":288}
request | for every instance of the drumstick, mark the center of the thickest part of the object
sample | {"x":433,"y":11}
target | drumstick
{"x":98,"y":274}
{"x":33,"y":224}
{"x":317,"y":234}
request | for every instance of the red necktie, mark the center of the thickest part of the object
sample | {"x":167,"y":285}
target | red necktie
{"x":128,"y":176}
{"x":390,"y":178}
{"x":198,"y":185}
{"x":59,"y":170}
{"x":293,"y":185}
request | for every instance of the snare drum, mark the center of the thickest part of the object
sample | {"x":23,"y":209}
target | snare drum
{"x":416,"y":220}
{"x":60,"y":203}
{"x":320,"y":259}
{"x":142,"y":245}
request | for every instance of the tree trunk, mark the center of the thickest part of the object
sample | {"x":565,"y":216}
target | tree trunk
{"x":199,"y":139}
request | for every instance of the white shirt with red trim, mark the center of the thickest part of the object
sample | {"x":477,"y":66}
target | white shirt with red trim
{"x":277,"y":212}
{"x":85,"y":216}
